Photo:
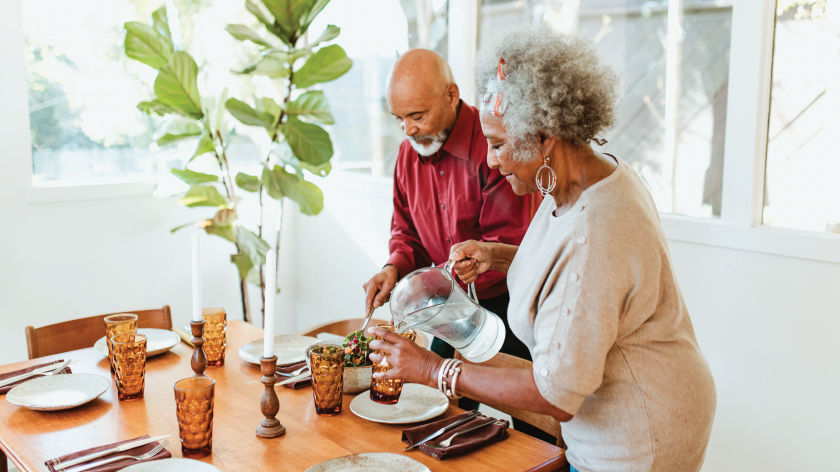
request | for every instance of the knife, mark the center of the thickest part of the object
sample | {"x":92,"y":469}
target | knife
{"x":124,"y":447}
{"x":437,"y":433}
{"x":294,"y":379}
{"x":57,"y":367}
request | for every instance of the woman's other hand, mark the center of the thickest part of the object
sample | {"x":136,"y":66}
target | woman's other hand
{"x":409,"y":362}
{"x":471,"y":258}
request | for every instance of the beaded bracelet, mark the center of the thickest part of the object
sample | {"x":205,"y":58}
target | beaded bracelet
{"x":443,"y":368}
{"x":452,"y":370}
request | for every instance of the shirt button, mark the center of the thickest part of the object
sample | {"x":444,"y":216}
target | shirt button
{"x":581,"y":240}
{"x":443,"y":207}
{"x":544,"y":372}
{"x":573,"y":277}
{"x":565,"y":311}
{"x":441,"y":172}
{"x":448,"y":240}
{"x":557,"y":345}
{"x":581,"y":208}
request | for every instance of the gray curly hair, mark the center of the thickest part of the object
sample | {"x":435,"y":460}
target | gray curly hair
{"x":556,"y":84}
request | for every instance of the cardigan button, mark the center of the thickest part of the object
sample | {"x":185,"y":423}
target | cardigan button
{"x":544,"y":372}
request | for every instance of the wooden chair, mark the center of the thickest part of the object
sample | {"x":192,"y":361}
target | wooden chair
{"x":84,"y":332}
{"x":543,"y":422}
{"x":345,"y":327}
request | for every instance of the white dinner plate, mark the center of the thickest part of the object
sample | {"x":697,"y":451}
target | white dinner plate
{"x":171,"y":465}
{"x":417,"y":403}
{"x":289,"y":349}
{"x":158,"y":341}
{"x":58,"y":392}
{"x":369,"y":462}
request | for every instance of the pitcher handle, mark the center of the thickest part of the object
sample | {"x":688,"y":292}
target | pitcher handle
{"x":470,"y":288}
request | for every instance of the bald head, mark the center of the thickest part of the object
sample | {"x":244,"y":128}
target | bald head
{"x":423,"y":96}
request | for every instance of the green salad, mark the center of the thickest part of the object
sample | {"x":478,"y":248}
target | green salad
{"x":356,"y":349}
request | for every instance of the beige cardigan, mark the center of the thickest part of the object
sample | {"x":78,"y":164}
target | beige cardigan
{"x":594,"y":297}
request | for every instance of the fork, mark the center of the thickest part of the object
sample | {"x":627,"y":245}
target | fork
{"x":143,"y":457}
{"x":294,"y":372}
{"x":448,"y":441}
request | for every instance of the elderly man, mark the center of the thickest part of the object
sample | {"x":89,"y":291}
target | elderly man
{"x":444,"y":193}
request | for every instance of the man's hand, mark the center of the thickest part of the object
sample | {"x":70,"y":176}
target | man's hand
{"x":471,"y":258}
{"x":378,"y":288}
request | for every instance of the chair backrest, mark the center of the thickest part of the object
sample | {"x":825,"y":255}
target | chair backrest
{"x":345,"y":327}
{"x":84,"y":332}
{"x":543,"y":422}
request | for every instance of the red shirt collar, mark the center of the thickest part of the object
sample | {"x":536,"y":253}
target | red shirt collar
{"x":460,"y":138}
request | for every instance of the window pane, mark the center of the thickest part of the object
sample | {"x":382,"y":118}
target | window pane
{"x":632,"y":36}
{"x":802,"y":190}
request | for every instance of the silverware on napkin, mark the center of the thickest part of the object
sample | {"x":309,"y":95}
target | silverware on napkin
{"x":55,"y":368}
{"x":448,"y":441}
{"x":437,"y":433}
{"x":294,"y":379}
{"x":124,"y":447}
{"x":109,"y":460}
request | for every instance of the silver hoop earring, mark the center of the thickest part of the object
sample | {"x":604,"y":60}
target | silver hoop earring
{"x":552,"y":178}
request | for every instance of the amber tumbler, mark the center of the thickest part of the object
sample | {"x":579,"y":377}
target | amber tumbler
{"x":118,"y":324}
{"x":215,"y":335}
{"x":194,"y":407}
{"x":327,"y":363}
{"x":129,"y":365}
{"x":387,"y":391}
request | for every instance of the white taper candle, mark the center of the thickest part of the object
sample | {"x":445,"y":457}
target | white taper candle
{"x":196,"y":276}
{"x":270,"y":296}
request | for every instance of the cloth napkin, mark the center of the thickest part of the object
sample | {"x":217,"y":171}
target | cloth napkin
{"x":298,"y":384}
{"x":113,"y":466}
{"x":7,"y":375}
{"x":464,"y":443}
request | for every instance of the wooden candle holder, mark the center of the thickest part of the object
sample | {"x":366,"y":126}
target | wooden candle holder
{"x":270,"y":404}
{"x":199,"y":357}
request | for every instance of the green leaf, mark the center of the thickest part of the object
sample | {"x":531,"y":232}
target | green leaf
{"x":244,"y":33}
{"x":225,"y":217}
{"x":171,"y":138}
{"x":322,"y":170}
{"x":254,"y":277}
{"x":222,"y":224}
{"x":270,"y":107}
{"x":192,"y":177}
{"x":247,"y":115}
{"x":330,"y":33}
{"x":251,"y":245}
{"x":220,"y":110}
{"x":279,"y":183}
{"x":314,"y":10}
{"x":269,"y":66}
{"x":173,"y":230}
{"x":243,"y":264}
{"x":205,"y":195}
{"x":177,"y":85}
{"x":160,"y":23}
{"x":250,"y":183}
{"x":310,"y":143}
{"x":258,"y":13}
{"x":176,"y":129}
{"x":205,"y":145}
{"x":144,"y":44}
{"x":329,"y":63}
{"x":157,"y":107}
{"x":287,"y":15}
{"x":313,"y":104}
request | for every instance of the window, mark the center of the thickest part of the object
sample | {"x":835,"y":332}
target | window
{"x":801,"y":186}
{"x":679,"y":156}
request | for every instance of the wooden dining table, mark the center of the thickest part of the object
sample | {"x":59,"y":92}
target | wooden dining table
{"x":29,"y":438}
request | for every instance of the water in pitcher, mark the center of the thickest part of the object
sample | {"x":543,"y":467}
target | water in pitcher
{"x":457,"y":325}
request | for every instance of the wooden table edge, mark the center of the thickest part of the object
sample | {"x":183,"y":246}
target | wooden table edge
{"x":553,"y":464}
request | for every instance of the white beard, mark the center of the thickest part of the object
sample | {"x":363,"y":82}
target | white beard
{"x":438,"y":140}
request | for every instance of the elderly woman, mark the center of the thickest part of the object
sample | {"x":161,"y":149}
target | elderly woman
{"x":593,"y":291}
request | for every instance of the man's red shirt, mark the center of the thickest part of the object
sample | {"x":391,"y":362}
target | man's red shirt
{"x":453,"y":196}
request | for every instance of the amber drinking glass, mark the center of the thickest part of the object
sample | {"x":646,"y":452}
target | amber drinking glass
{"x":194,"y":407}
{"x":327,"y":362}
{"x":387,"y":391}
{"x":118,"y":324}
{"x":215,"y":335}
{"x":129,"y":365}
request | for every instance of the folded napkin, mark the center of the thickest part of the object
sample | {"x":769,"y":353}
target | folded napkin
{"x":464,"y":443}
{"x":7,"y":375}
{"x":298,"y":384}
{"x":113,"y":466}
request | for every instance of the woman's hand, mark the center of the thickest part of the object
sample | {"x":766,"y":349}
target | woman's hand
{"x":476,"y":257}
{"x":409,"y":362}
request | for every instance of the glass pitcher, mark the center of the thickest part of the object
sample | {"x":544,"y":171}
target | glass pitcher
{"x":430,"y":300}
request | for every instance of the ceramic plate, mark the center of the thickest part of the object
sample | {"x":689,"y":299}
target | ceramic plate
{"x":158,"y":341}
{"x":369,"y":462}
{"x":58,"y":392}
{"x":417,"y":403}
{"x":171,"y":465}
{"x":289,"y":349}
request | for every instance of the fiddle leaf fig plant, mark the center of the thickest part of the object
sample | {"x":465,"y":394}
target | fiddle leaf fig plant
{"x":297,"y":141}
